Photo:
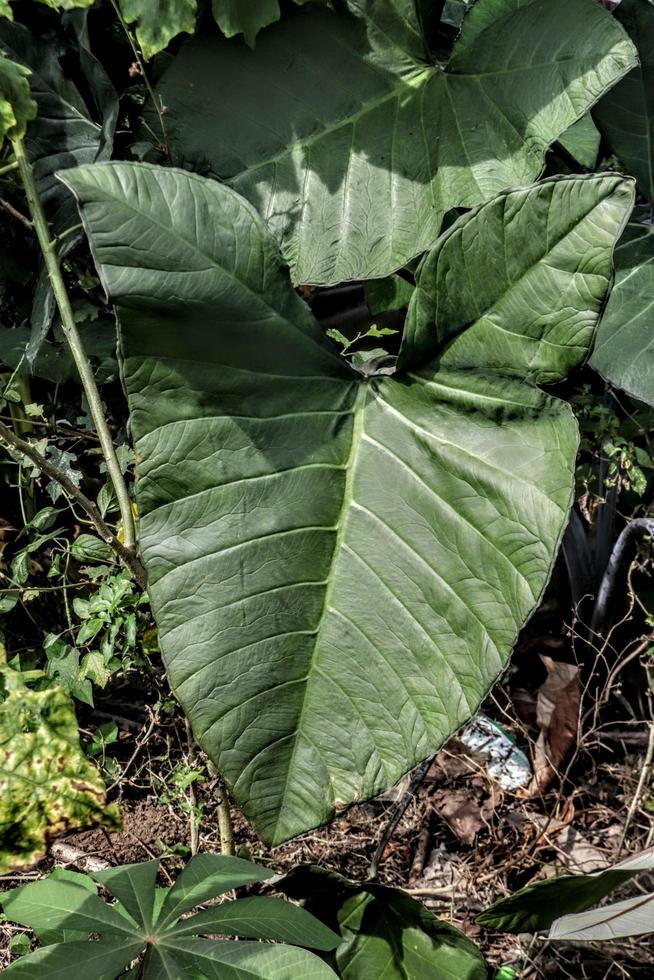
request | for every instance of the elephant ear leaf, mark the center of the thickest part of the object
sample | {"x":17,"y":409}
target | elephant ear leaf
{"x":354,"y":180}
{"x":339,"y":565}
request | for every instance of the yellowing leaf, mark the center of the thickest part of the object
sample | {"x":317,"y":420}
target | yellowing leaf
{"x":47,"y":785}
{"x":16,"y":104}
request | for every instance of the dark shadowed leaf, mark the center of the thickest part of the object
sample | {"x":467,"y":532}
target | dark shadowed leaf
{"x":624,"y":347}
{"x":625,"y":115}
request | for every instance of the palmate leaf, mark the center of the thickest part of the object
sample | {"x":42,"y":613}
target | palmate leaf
{"x":624,"y":347}
{"x":52,"y":904}
{"x":625,"y":116}
{"x":47,"y":785}
{"x":258,"y":917}
{"x":353,"y":146}
{"x":208,"y":876}
{"x":339,"y":566}
{"x":213,"y":960}
{"x":93,"y":961}
{"x":134,"y":886}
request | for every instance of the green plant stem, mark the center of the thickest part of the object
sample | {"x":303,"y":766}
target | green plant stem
{"x":126,"y":556}
{"x":74,"y":342}
{"x":225,"y":825}
{"x":7,"y":168}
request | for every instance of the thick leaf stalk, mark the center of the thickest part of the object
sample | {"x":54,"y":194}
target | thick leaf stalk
{"x":73,"y":338}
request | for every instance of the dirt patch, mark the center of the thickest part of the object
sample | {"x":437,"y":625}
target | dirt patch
{"x":148,"y":830}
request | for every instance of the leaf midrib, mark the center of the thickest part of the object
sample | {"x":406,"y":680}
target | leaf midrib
{"x":358,"y":410}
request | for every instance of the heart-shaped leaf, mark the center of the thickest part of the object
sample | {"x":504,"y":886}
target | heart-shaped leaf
{"x":354,"y":177}
{"x":339,"y":565}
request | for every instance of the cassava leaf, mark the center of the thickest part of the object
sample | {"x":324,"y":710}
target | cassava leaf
{"x":47,"y":785}
{"x":625,"y":115}
{"x":632,"y":917}
{"x":93,"y":961}
{"x":245,"y":960}
{"x":354,"y":179}
{"x":208,"y":876}
{"x":339,"y":565}
{"x":258,"y":917}
{"x":158,"y":21}
{"x":624,"y":348}
{"x":537,"y":906}
{"x":55,"y":904}
{"x":134,"y":886}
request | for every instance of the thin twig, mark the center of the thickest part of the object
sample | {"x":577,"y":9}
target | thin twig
{"x":15,"y":213}
{"x":397,"y":814}
{"x":125,"y":555}
{"x":139,"y":745}
{"x":644,"y":774}
{"x":225,"y":824}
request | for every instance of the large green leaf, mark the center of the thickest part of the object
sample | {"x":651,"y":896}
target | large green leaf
{"x":93,"y":961}
{"x":537,"y":906}
{"x":625,"y":115}
{"x":339,"y":566}
{"x":353,"y":146}
{"x":244,"y":961}
{"x":624,"y":348}
{"x":47,"y":785}
{"x":385,"y":932}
